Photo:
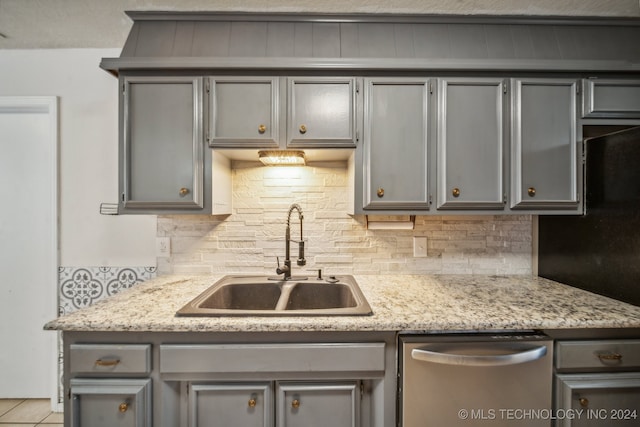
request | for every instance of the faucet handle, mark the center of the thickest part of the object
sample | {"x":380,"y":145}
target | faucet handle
{"x":281,"y":270}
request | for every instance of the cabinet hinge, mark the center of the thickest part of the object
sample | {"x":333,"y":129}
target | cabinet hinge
{"x":431,"y":88}
{"x":207,"y":86}
{"x":122,"y":197}
{"x":357,"y":136}
{"x":361,"y":390}
{"x":577,"y":89}
{"x":124,"y":87}
{"x":504,"y":88}
{"x":430,"y":199}
{"x":357,"y":87}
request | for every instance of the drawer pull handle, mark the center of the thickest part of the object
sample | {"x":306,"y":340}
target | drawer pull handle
{"x":531,"y":191}
{"x":295,"y":404}
{"x":584,"y":402}
{"x":303,"y":129}
{"x":252,"y":403}
{"x":183,"y":191}
{"x":610,"y":356}
{"x":107,"y":363}
{"x":455,"y":192}
{"x":380,"y":192}
{"x":123,"y":407}
{"x":262,"y":129}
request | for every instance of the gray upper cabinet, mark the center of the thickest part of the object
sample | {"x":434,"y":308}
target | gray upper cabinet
{"x":617,"y":99}
{"x":395,"y":147}
{"x":545,"y":141}
{"x":470,"y":141}
{"x":161,"y":144}
{"x":244,"y":112}
{"x":321,"y":112}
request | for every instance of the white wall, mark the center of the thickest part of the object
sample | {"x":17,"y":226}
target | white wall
{"x":88,"y":126}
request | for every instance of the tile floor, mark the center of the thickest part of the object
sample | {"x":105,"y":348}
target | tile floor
{"x":28,"y":413}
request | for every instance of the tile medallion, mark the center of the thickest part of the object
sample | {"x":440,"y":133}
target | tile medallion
{"x":83,"y":286}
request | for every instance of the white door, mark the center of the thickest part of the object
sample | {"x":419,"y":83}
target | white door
{"x":28,"y":246}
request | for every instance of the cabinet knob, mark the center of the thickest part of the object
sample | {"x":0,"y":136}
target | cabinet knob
{"x":252,"y":403}
{"x":295,"y":404}
{"x":262,"y":129}
{"x":380,"y":192}
{"x":303,"y":129}
{"x":184,"y":191}
{"x":531,"y":191}
{"x":456,"y":192}
{"x":123,"y":407}
{"x":584,"y":402}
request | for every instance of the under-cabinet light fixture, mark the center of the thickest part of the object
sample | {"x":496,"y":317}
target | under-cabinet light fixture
{"x":282,"y":157}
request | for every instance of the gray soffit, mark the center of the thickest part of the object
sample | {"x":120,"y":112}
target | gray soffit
{"x":214,"y":41}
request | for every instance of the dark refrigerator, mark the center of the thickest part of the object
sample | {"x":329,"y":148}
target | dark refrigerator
{"x":600,"y":251}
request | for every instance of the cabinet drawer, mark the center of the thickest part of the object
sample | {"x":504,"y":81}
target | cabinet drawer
{"x":239,"y":358}
{"x":598,"y":355}
{"x":110,"y":358}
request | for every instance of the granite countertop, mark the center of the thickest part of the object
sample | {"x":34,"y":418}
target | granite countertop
{"x":399,"y":303}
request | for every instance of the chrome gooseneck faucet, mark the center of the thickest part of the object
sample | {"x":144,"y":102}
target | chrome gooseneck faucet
{"x":286,"y":268}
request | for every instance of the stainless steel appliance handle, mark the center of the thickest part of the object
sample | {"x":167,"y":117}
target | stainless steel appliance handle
{"x":481,"y":354}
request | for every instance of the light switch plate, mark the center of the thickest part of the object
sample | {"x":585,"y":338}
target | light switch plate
{"x":163,"y":247}
{"x":419,"y":247}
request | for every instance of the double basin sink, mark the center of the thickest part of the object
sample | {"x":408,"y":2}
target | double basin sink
{"x":269,"y":296}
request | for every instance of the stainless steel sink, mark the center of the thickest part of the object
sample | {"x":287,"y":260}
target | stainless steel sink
{"x":264,"y":296}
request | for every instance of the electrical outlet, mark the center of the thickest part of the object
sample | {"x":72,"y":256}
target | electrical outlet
{"x":163,"y":247}
{"x":419,"y":246}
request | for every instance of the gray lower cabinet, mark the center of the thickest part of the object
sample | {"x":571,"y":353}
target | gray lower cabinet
{"x":395,"y":149}
{"x":470,"y":143}
{"x":296,"y":403}
{"x":545,"y":144}
{"x":611,"y":98}
{"x":597,"y":383}
{"x":286,"y":385}
{"x":231,"y":404}
{"x":318,"y":404}
{"x":108,"y":402}
{"x":244,"y":112}
{"x":161,"y":144}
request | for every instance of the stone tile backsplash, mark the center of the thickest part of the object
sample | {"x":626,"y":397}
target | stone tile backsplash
{"x":249,"y":240}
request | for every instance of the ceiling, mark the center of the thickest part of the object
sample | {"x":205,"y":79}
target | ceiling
{"x":44,"y":24}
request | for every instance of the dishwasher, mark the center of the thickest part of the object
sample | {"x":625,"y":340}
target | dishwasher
{"x":502,"y":379}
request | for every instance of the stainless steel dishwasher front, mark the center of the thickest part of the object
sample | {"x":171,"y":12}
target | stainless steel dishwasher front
{"x":476,"y":380}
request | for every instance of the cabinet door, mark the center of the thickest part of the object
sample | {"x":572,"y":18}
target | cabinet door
{"x":162,"y":152}
{"x":314,"y":404}
{"x":604,"y":98}
{"x":470,"y":143}
{"x":598,"y":400}
{"x":244,"y":112}
{"x":231,"y":404}
{"x":544,"y":137}
{"x":110,"y":402}
{"x":321,"y":112}
{"x":395,"y":148}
